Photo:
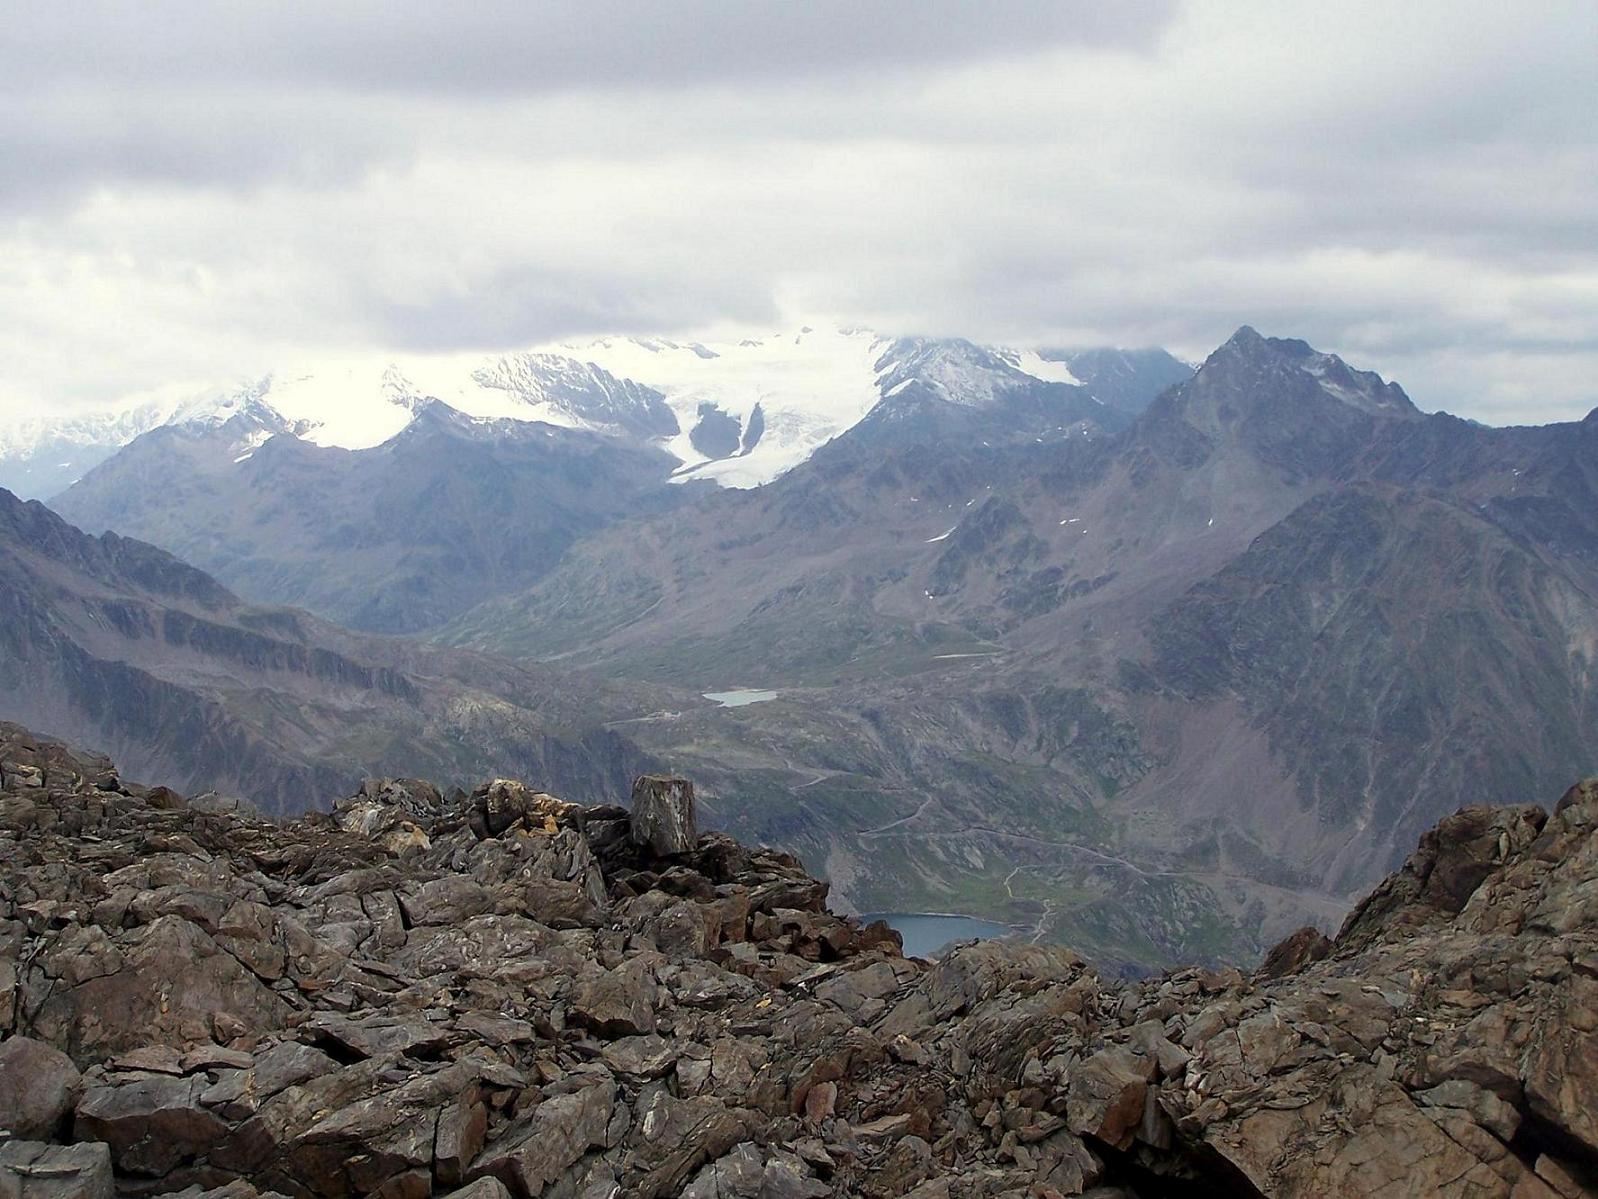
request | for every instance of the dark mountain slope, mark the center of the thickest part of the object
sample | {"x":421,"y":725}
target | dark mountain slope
{"x":1003,"y":518}
{"x":404,"y":536}
{"x":1126,"y":380}
{"x":397,"y":538}
{"x":1402,"y":654}
{"x":118,"y":644}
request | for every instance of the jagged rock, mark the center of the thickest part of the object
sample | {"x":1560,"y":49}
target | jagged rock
{"x":504,"y":804}
{"x":390,"y":1137}
{"x":642,"y":1057}
{"x":483,"y":1188}
{"x":1293,"y":952}
{"x":617,"y":1003}
{"x":522,"y":1001}
{"x":287,"y":1065}
{"x":237,"y":1189}
{"x":462,"y":1127}
{"x":165,"y":982}
{"x":448,"y":900}
{"x":151,"y":1124}
{"x":1106,"y":1094}
{"x":1452,"y":860}
{"x":399,"y":813}
{"x":375,"y":1036}
{"x":558,"y":1132}
{"x":32,"y":1170}
{"x":674,"y":1137}
{"x":748,"y":1173}
{"x":38,"y":1087}
{"x":663,"y":815}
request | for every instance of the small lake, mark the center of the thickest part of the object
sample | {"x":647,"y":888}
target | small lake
{"x":737,"y":699}
{"x":926,"y":933}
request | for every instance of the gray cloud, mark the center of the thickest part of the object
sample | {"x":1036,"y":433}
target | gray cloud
{"x":508,"y":46}
{"x":316,"y":93}
{"x":1415,"y":186}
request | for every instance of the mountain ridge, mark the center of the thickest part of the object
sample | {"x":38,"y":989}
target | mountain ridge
{"x":117,"y":643}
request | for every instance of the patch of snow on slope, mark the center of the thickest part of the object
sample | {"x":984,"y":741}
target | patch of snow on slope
{"x":1028,"y":362}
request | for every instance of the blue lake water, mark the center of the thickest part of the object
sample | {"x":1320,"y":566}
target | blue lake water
{"x":925,"y":933}
{"x":740,"y":697}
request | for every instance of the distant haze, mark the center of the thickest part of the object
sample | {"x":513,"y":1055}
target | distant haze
{"x":194,"y":191}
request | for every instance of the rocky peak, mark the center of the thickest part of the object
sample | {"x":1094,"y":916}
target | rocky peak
{"x":432,"y":415}
{"x":1305,"y":413}
{"x":951,"y":369}
{"x":1269,"y":364}
{"x":504,"y":994}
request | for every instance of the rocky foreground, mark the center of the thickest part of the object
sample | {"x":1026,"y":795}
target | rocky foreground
{"x":503,"y":992}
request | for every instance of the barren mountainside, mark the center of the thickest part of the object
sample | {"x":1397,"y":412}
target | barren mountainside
{"x":119,"y":644}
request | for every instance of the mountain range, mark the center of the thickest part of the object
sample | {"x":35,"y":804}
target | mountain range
{"x":1188,"y":682}
{"x":738,"y":412}
{"x":397,"y":512}
{"x":1159,"y":662}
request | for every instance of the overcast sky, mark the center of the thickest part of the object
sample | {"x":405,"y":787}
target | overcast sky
{"x":190,"y":192}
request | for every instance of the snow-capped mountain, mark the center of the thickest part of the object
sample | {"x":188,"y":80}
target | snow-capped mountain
{"x":775,"y":397}
{"x":964,"y":373}
{"x":737,"y":412}
{"x":752,"y":408}
{"x":352,"y":402}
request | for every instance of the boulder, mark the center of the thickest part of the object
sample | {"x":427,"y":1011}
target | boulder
{"x":663,"y":815}
{"x":151,"y":1124}
{"x":168,"y":981}
{"x":538,"y":1150}
{"x":33,"y":1170}
{"x":39,"y":1086}
{"x":750,"y":1172}
{"x":503,"y":804}
{"x":1105,"y":1096}
{"x":483,"y":1188}
{"x":673,"y":1137}
{"x":617,"y":1003}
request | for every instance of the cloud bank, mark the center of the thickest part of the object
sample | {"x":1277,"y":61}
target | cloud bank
{"x":194,"y":191}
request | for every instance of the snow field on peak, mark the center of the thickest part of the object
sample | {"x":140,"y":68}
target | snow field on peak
{"x":810,"y":384}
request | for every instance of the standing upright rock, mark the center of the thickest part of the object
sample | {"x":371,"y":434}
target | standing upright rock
{"x":663,"y":814}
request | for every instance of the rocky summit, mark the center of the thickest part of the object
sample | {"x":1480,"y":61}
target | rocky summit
{"x":504,"y":993}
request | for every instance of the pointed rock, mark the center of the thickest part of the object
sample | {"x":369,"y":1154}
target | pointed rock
{"x":663,"y":814}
